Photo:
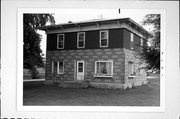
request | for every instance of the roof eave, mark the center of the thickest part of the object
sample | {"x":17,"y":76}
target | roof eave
{"x":45,"y":28}
{"x":144,"y":30}
{"x":79,"y":23}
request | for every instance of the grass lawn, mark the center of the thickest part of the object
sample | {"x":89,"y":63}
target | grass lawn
{"x":54,"y":96}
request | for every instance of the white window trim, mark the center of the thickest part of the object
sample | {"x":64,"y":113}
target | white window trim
{"x":132,"y":41}
{"x":78,"y":39}
{"x":132,"y":68}
{"x":107,"y":38}
{"x":141,"y":42}
{"x":80,"y":61}
{"x":52,"y":67}
{"x":95,"y":74}
{"x":75,"y":70}
{"x":132,"y":37}
{"x":58,"y":68}
{"x":58,"y":41}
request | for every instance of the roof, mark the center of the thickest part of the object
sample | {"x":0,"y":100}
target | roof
{"x":94,"y":21}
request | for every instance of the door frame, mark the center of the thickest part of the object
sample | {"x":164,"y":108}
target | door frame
{"x":77,"y":66}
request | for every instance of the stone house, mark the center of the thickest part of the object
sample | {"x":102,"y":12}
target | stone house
{"x":99,"y":53}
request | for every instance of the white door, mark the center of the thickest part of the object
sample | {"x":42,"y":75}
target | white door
{"x":80,"y":70}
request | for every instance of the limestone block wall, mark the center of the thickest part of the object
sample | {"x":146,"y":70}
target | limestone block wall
{"x":140,"y":74}
{"x":69,"y":57}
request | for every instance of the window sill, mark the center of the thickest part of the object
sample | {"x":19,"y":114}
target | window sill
{"x":131,"y":76}
{"x":60,"y":48}
{"x":110,"y":76}
{"x":60,"y":73}
{"x":103,"y":46}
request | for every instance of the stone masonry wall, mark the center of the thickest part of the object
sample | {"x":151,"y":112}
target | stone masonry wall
{"x":69,"y":57}
{"x":140,"y":74}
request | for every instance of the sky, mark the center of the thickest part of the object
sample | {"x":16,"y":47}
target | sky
{"x":76,"y":15}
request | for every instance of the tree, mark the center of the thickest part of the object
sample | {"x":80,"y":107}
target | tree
{"x":31,"y":40}
{"x":151,"y":53}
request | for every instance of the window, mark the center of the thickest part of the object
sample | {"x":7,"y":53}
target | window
{"x":52,"y":68}
{"x":141,"y":42}
{"x":57,"y":67}
{"x":60,"y":41}
{"x":130,"y":68}
{"x":132,"y":37}
{"x":103,"y":69}
{"x":81,"y":40}
{"x":104,"y":38}
{"x":80,"y":67}
{"x":60,"y":68}
{"x":132,"y":41}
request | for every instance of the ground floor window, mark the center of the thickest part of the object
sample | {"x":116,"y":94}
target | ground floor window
{"x":104,"y":68}
{"x":130,"y":68}
{"x":57,"y":67}
{"x":60,"y":68}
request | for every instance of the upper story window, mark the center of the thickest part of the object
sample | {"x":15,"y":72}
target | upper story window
{"x":104,"y":38}
{"x":132,"y":41}
{"x":81,"y":40}
{"x":141,"y":42}
{"x":60,"y":41}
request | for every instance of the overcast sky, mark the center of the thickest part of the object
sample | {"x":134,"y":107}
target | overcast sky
{"x":76,"y":15}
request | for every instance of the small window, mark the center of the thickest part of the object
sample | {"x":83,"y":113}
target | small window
{"x":103,"y":69}
{"x":60,"y":41}
{"x":81,"y":40}
{"x":52,"y":68}
{"x":132,"y":41}
{"x":130,"y":68}
{"x":60,"y":68}
{"x":104,"y":38}
{"x":57,"y":67}
{"x":141,"y":42}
